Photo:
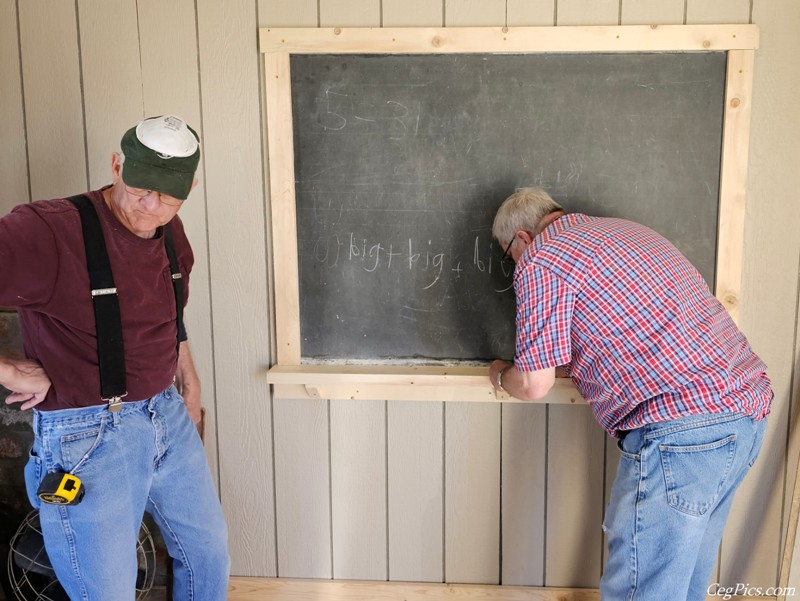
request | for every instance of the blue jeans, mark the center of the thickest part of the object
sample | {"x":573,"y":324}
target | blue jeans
{"x":669,"y":503}
{"x":146,"y":457}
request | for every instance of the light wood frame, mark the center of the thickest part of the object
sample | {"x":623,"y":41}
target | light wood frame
{"x":290,"y":378}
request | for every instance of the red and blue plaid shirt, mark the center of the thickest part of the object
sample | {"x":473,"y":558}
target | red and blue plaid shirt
{"x":634,"y":325}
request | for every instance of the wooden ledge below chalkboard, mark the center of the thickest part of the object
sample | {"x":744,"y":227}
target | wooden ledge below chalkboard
{"x":400,"y":383}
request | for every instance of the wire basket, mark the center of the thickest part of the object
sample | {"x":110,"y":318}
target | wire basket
{"x":32,"y":577}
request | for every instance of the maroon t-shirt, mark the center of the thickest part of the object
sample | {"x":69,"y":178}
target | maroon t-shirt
{"x":43,"y":273}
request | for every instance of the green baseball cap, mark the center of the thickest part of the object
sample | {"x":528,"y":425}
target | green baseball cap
{"x":161,"y":154}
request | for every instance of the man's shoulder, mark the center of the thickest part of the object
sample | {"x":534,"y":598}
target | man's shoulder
{"x":47,"y":209}
{"x":40,"y":215}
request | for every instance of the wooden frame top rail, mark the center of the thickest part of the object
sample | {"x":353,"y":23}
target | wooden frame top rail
{"x":425,"y":40}
{"x":291,"y":378}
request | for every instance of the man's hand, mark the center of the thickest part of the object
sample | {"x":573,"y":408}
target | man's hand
{"x":189,"y":383}
{"x":525,"y":386}
{"x":26,"y":380}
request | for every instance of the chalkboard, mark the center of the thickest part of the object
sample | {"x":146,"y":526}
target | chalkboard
{"x":401,"y":162}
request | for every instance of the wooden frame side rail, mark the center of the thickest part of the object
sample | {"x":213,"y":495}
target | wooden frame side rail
{"x":293,"y":380}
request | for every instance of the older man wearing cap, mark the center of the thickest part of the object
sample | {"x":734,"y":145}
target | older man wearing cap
{"x":100,"y":282}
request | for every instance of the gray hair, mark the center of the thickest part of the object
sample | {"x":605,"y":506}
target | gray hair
{"x":522,"y":211}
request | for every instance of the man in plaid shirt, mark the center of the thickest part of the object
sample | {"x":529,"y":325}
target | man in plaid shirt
{"x":664,"y":369}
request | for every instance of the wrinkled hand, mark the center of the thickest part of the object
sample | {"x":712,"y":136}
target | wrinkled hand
{"x":27,"y":381}
{"x":191,"y":398}
{"x":189,"y":383}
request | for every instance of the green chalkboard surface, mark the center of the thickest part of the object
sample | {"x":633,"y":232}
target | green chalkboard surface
{"x":402,"y":160}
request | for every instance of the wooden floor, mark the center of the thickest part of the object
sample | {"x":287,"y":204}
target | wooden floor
{"x":262,"y":589}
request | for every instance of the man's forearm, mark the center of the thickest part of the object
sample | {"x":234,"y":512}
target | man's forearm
{"x":6,"y":371}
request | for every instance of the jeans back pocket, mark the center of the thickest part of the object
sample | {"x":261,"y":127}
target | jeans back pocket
{"x":33,"y":477}
{"x":695,"y":474}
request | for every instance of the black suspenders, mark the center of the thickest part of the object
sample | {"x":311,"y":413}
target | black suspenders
{"x":110,"y":351}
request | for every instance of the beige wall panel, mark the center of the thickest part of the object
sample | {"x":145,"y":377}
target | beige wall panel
{"x":753,"y":539}
{"x":13,"y":160}
{"x":469,"y":13}
{"x":229,"y":65}
{"x":587,"y":12}
{"x":524,"y":481}
{"x":287,"y":13}
{"x":413,"y":13}
{"x":714,"y":11}
{"x":415,"y":489}
{"x":472,"y":493}
{"x":112,"y":79}
{"x":575,"y":461}
{"x":349,"y":13}
{"x":168,"y":38}
{"x":168,"y":47}
{"x":358,"y":489}
{"x":51,"y":66}
{"x":649,"y":12}
{"x":531,"y":12}
{"x":302,"y":487}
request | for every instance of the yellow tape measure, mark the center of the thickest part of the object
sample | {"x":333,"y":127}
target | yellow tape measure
{"x":59,"y":488}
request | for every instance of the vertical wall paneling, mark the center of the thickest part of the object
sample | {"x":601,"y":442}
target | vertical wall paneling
{"x":753,"y":539}
{"x":790,"y":568}
{"x":13,"y":158}
{"x":50,"y":61}
{"x":287,"y":13}
{"x":350,"y":13}
{"x":415,"y":491}
{"x":469,"y":13}
{"x":531,"y":12}
{"x":714,"y":11}
{"x":413,"y":13}
{"x":575,"y":458}
{"x":358,"y":489}
{"x":168,"y":50}
{"x":302,"y":486}
{"x":229,"y":90}
{"x":647,"y":12}
{"x":523,"y":485}
{"x":472,"y":492}
{"x":301,"y":449}
{"x":112,"y":79}
{"x":588,"y":12}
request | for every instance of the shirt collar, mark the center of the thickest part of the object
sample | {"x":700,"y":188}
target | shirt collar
{"x":551,"y":231}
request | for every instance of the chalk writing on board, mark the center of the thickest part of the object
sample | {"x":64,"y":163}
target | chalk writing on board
{"x":336,"y":108}
{"x":438,"y":263}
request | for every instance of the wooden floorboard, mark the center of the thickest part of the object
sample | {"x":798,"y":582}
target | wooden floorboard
{"x":261,"y":589}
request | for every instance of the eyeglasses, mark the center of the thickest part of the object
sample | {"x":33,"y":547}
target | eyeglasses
{"x":508,"y":248}
{"x":170,"y":201}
